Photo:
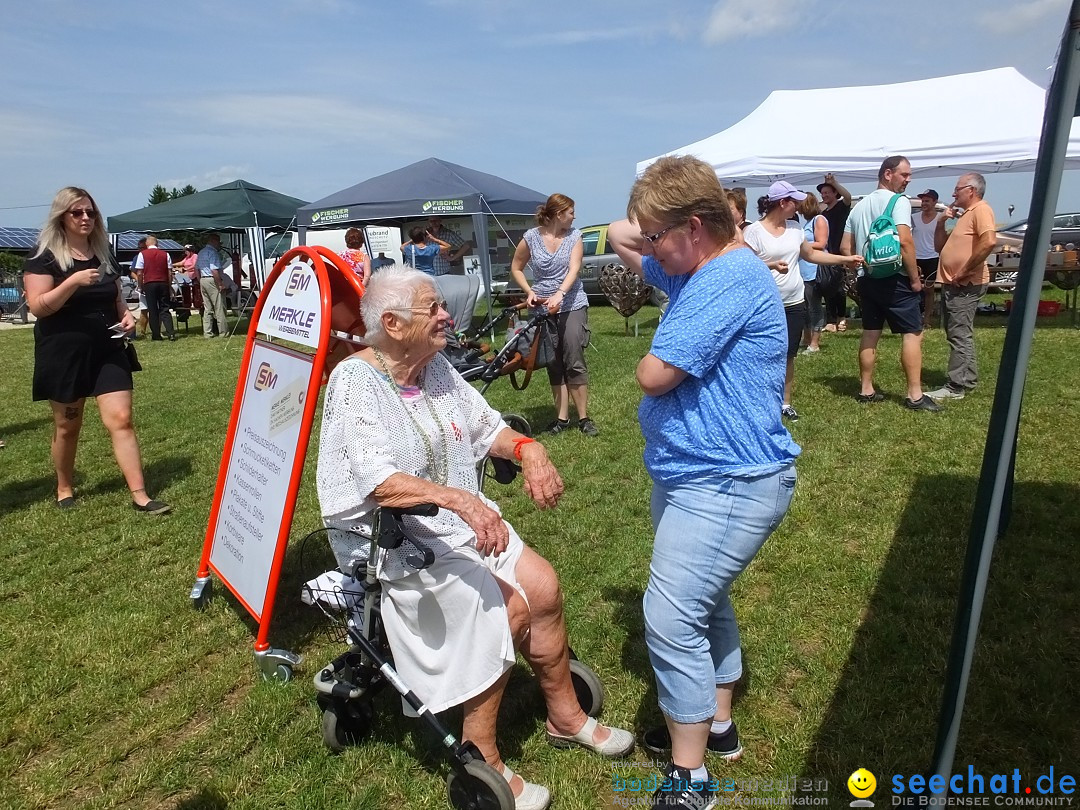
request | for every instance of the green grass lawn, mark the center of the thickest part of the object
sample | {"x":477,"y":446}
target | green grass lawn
{"x":115,"y":693}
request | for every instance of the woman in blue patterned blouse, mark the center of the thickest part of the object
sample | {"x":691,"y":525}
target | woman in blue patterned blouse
{"x":722,"y":464}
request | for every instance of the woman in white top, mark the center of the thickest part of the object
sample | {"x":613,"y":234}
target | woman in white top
{"x":779,"y":241}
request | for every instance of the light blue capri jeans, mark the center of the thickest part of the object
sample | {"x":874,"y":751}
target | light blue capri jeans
{"x":707,"y":532}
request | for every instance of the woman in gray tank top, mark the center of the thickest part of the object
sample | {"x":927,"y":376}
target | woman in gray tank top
{"x":553,"y":251}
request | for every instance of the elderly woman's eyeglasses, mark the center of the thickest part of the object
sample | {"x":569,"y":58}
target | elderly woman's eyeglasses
{"x":79,"y":213}
{"x":432,"y":311}
{"x":652,"y":238}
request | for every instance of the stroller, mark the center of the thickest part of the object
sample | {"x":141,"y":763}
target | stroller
{"x":531,"y":347}
{"x":349,"y":599}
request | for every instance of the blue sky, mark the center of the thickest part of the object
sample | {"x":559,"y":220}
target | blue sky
{"x":311,"y":96}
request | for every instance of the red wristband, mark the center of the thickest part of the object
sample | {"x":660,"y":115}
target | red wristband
{"x":518,"y":443}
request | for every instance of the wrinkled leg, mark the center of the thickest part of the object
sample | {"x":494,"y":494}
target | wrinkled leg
{"x":545,"y":647}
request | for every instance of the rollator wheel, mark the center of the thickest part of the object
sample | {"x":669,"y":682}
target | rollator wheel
{"x":587,"y":687}
{"x":347,"y":724}
{"x":481,"y":787}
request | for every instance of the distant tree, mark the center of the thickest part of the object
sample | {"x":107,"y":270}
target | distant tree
{"x":10,"y":266}
{"x":160,"y":194}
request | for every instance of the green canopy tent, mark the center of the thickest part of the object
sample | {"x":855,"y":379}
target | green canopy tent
{"x":236,"y":207}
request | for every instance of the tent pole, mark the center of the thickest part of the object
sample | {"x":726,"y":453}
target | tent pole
{"x":995,"y":479}
{"x":480,"y":233}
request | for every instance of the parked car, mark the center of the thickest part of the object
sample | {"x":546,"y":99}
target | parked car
{"x":1066,"y":229}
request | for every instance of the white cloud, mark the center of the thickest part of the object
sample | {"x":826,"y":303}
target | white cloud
{"x":210,"y":178}
{"x":582,"y":35}
{"x":311,"y":119}
{"x":736,"y":19}
{"x":1008,"y":18}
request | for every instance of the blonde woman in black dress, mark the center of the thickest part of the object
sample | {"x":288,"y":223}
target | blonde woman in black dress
{"x":73,"y":289}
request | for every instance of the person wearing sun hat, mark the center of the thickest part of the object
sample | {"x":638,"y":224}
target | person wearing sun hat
{"x":923,"y":227}
{"x":781,"y":244}
{"x":837,"y":200}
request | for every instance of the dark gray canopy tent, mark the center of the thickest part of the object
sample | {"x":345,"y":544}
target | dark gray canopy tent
{"x":430,"y":187}
{"x":236,"y":207}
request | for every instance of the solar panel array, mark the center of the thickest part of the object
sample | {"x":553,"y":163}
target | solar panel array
{"x":24,"y":239}
{"x":18,"y":238}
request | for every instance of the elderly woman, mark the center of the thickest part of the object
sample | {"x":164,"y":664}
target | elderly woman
{"x":400,"y":428}
{"x":722,"y":463}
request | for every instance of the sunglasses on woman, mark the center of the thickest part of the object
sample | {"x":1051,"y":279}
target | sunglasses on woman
{"x":79,"y":213}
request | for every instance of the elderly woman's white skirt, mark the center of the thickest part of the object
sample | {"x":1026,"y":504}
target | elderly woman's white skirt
{"x":447,"y":624}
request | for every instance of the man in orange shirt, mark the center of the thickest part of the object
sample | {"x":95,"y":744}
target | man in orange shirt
{"x":964,"y":277}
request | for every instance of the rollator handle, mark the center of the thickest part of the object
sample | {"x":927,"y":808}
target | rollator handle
{"x":391,"y":534}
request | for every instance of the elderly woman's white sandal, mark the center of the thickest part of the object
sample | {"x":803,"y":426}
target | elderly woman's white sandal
{"x":619,"y":742}
{"x":533,"y":797}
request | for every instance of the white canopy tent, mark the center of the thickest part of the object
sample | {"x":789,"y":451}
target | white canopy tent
{"x":986,"y":122}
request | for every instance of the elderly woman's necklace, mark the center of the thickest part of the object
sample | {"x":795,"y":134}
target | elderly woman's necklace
{"x":439,"y":475}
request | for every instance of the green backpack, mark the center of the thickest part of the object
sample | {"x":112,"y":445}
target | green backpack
{"x":881,"y":251}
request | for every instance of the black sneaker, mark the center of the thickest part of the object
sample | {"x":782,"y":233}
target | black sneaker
{"x":657,"y":742}
{"x":678,"y":791}
{"x":877,"y":396}
{"x":923,"y":403}
{"x":789,"y":413}
{"x":588,"y":427}
{"x":558,"y":426}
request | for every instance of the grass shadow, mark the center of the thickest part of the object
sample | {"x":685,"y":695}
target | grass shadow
{"x":160,"y":474}
{"x":847,"y":386}
{"x":18,"y":494}
{"x":16,"y":428}
{"x":894,"y":675}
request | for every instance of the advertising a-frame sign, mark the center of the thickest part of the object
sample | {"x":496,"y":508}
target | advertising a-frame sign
{"x":311,"y":299}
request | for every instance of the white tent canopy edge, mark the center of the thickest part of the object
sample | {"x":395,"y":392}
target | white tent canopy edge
{"x":933,"y":122}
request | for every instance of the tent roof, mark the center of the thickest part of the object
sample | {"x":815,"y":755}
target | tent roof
{"x":233,"y":206}
{"x":425,"y":188}
{"x":990,"y":121}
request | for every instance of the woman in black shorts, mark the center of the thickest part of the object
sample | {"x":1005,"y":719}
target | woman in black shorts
{"x":73,"y":289}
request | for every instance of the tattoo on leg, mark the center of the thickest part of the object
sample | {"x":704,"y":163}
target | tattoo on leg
{"x":71,"y":412}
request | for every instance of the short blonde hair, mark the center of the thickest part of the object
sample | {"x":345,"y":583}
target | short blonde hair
{"x":673,"y":189}
{"x":810,"y":207}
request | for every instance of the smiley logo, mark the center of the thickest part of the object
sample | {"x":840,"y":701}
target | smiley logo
{"x":861,"y":783}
